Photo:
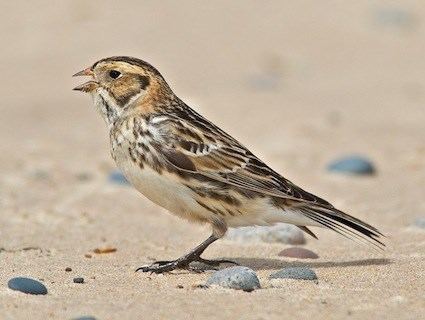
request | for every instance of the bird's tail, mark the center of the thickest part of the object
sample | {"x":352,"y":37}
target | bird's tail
{"x":344,"y":224}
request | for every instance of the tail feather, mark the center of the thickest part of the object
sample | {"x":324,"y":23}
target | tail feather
{"x":344,"y":224}
{"x":307,"y":230}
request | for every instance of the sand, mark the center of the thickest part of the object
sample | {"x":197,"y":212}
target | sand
{"x":299,"y":83}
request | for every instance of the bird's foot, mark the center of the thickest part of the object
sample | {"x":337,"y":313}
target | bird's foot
{"x":182,"y":263}
{"x":161,"y":266}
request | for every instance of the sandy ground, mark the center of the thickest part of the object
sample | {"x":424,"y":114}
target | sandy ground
{"x":300,"y":83}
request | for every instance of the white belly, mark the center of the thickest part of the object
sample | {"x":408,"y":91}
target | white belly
{"x":161,"y":189}
{"x":167,"y":191}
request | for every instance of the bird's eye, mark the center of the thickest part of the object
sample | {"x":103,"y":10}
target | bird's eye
{"x":114,"y":74}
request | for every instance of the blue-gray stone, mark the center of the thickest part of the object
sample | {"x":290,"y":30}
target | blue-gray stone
{"x":395,"y":17}
{"x":300,"y":273}
{"x":85,"y":318}
{"x":420,"y":222}
{"x":265,"y":81}
{"x":239,"y":278}
{"x":352,"y":165}
{"x":27,"y":285}
{"x":118,"y":178}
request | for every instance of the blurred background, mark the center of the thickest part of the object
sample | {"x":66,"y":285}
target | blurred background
{"x":301,"y":83}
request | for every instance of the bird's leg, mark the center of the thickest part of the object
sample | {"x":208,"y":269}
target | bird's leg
{"x":184,"y":261}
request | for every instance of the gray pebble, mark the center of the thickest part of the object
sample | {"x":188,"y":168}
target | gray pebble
{"x":397,"y":17}
{"x":281,"y":233}
{"x":356,"y":165}
{"x":85,"y":318}
{"x":420,"y":222}
{"x":239,"y":278}
{"x":41,"y":174}
{"x":27,"y":285}
{"x":84,"y":176}
{"x":265,"y":81}
{"x":78,"y":280}
{"x":301,"y":273}
{"x":118,"y":178}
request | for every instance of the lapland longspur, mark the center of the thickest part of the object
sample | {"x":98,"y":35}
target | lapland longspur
{"x":186,"y":164}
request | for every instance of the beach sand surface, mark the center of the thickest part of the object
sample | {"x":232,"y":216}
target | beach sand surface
{"x":300,"y":83}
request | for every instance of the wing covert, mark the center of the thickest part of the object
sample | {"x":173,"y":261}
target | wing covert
{"x":197,"y":146}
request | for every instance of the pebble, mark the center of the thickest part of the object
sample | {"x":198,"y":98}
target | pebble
{"x":84,"y":176}
{"x":78,"y":280}
{"x":41,"y":174}
{"x":395,"y":17}
{"x":239,"y":278}
{"x":269,"y":73}
{"x":105,"y":250}
{"x":85,"y":318}
{"x":281,"y":233}
{"x":27,"y":285}
{"x":265,"y":81}
{"x":297,"y":252}
{"x":356,"y":165}
{"x":68,"y":269}
{"x":118,"y":178}
{"x":420,"y":222}
{"x":300,"y":273}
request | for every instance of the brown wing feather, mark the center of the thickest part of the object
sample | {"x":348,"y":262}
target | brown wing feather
{"x":192,"y":143}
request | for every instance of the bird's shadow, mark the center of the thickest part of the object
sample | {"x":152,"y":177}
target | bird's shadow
{"x":274,"y":264}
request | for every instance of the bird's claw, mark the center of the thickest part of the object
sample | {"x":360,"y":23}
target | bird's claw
{"x":159,"y":267}
{"x":182,"y":263}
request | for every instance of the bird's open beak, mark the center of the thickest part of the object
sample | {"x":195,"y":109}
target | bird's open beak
{"x":85,"y":72}
{"x":89,"y":85}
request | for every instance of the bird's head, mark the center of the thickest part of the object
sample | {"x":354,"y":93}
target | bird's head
{"x":119,"y":84}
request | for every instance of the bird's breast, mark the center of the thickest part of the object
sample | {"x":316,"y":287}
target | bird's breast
{"x":152,"y":180}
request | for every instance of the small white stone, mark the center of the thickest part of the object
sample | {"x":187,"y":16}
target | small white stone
{"x":280,"y":233}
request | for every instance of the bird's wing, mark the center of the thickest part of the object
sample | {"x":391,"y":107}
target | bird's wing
{"x":193,"y":144}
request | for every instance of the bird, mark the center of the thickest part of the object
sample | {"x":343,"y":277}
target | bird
{"x":186,"y":164}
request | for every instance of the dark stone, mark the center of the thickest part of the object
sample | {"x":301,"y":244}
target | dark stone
{"x":355,"y":165}
{"x":78,"y":280}
{"x":27,"y":285}
{"x":68,"y":269}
